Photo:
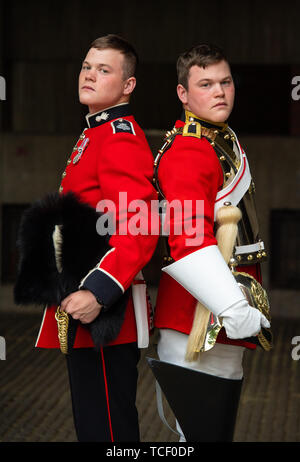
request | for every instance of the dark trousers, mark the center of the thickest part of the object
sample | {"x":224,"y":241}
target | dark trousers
{"x":103,"y":390}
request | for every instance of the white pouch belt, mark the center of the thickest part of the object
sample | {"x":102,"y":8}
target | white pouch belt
{"x":251,"y":248}
{"x":139,"y":295}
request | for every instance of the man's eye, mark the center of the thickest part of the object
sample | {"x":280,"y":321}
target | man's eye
{"x":205,"y":85}
{"x":104,"y":71}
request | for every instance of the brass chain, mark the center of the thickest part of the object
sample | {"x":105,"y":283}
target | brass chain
{"x":62,"y":319}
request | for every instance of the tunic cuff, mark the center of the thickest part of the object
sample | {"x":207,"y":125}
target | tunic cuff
{"x":103,"y":287}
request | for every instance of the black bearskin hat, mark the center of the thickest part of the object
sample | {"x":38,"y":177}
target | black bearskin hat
{"x":58,"y":245}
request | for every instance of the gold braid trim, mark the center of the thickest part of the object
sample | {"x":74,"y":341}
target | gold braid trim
{"x":62,"y":319}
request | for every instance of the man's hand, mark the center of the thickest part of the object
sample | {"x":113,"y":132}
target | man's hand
{"x":242,"y":320}
{"x":81,"y":305}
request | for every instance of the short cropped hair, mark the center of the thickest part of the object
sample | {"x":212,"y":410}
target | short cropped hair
{"x":116,"y":42}
{"x":200,"y":55}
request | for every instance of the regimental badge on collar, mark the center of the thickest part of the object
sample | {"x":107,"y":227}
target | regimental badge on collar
{"x":122,"y":126}
{"x":102,"y":116}
{"x":80,"y":150}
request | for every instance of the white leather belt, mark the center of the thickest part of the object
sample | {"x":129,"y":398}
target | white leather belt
{"x":251,"y":248}
{"x":139,"y":295}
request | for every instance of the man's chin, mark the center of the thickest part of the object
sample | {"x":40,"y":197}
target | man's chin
{"x":221,"y":115}
{"x":84,"y":100}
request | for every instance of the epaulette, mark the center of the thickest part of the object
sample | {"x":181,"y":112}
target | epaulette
{"x":192,"y":129}
{"x":122,"y":126}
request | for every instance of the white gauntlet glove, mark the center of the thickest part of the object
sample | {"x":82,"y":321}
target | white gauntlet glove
{"x":242,"y":320}
{"x":206,"y":276}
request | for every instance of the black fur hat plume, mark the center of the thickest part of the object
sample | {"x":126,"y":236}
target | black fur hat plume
{"x":58,"y":245}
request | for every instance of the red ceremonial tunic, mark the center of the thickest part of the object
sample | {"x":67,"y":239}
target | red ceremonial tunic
{"x":111,"y":156}
{"x":190,"y":170}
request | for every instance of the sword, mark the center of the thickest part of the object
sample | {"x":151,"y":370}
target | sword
{"x":204,"y":322}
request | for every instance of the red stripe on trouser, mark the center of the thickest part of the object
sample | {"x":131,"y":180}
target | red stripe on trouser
{"x":107,"y":398}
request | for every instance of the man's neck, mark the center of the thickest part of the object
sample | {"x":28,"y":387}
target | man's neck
{"x":95,"y":111}
{"x":188,"y":116}
{"x":108,"y":114}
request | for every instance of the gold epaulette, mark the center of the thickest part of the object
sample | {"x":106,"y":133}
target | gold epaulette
{"x":192,"y":129}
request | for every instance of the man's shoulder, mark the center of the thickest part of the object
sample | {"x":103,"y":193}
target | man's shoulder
{"x":189,"y":135}
{"x":123,"y":125}
{"x":186,"y":143}
{"x":192,"y":129}
{"x":116,"y":128}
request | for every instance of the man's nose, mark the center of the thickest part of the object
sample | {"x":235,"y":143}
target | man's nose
{"x":90,"y":74}
{"x":219,"y":90}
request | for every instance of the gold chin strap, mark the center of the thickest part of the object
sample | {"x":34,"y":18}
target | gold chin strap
{"x":62,"y":319}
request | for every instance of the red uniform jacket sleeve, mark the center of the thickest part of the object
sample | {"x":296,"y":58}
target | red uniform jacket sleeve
{"x":190,"y":171}
{"x":124,"y":169}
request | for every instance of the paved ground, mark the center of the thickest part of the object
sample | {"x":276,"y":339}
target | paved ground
{"x":35,"y":400}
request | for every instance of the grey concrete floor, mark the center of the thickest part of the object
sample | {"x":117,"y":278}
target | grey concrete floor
{"x":36,"y":407}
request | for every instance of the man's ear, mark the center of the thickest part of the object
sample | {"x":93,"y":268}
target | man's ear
{"x":182,"y":93}
{"x":129,"y":86}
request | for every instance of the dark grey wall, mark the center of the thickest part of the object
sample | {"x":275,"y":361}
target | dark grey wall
{"x":43,"y":43}
{"x":252,"y":31}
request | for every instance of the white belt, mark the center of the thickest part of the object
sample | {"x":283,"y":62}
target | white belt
{"x":251,"y":248}
{"x":139,"y":295}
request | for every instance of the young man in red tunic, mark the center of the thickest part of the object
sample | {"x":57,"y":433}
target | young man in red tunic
{"x":111,"y":162}
{"x":202,"y":160}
